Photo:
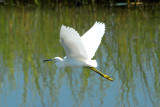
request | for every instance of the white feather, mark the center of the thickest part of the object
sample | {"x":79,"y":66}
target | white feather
{"x":80,"y":50}
{"x":72,"y":44}
{"x":92,"y":38}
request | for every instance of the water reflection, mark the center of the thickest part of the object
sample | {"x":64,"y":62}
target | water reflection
{"x":129,"y":52}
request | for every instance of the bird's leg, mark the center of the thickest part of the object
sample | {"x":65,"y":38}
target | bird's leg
{"x":100,"y":73}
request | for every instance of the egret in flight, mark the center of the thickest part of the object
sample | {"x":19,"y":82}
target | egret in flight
{"x":80,"y":50}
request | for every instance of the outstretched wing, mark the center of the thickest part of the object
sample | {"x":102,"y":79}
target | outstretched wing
{"x":72,"y":44}
{"x":92,"y":38}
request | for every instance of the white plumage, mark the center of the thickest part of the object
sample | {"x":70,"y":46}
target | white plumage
{"x":80,"y":50}
{"x":92,"y":38}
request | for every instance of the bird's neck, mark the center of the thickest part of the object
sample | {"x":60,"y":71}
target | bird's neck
{"x":59,"y":62}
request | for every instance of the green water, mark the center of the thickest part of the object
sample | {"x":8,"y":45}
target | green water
{"x":129,"y":53}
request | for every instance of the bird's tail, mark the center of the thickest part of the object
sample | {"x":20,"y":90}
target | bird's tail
{"x":92,"y":63}
{"x":100,"y":73}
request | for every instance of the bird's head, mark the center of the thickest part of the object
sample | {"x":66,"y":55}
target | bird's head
{"x":56,"y":59}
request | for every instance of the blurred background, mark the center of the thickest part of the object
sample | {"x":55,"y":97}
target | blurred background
{"x":129,"y":53}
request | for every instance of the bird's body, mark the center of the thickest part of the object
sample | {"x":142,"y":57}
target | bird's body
{"x":70,"y":62}
{"x":80,"y":50}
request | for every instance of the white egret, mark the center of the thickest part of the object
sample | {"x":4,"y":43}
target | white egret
{"x":80,"y":50}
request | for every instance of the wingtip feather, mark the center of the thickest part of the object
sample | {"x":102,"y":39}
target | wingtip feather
{"x":100,"y":23}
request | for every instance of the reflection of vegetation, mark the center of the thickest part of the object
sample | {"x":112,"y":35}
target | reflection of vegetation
{"x":132,"y":42}
{"x":130,"y":51}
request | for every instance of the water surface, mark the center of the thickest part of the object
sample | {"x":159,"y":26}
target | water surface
{"x":129,"y":52}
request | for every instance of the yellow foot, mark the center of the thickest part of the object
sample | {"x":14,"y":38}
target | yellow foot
{"x":103,"y":75}
{"x":108,"y":77}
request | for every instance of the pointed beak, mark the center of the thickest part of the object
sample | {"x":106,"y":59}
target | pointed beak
{"x":48,"y":60}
